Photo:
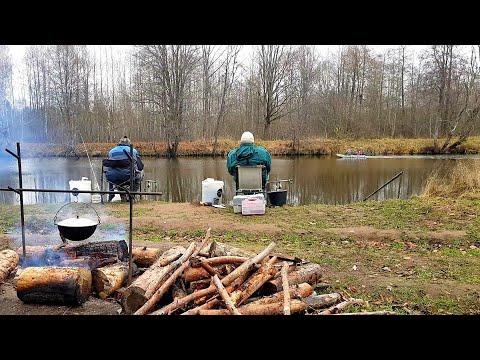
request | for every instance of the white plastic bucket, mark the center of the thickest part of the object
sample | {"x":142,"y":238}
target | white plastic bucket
{"x":83,"y":184}
{"x":212,"y":191}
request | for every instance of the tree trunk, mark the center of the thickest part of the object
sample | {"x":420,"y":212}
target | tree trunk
{"x":134,"y":295}
{"x":309,"y":273}
{"x":54,"y":285}
{"x":109,"y":278}
{"x":145,"y":257}
{"x":8,"y":262}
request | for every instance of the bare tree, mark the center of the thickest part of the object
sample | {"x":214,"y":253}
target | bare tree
{"x":274,"y":62}
{"x":169,"y":68}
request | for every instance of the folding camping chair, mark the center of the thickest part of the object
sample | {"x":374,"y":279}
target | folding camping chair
{"x":249,"y":180}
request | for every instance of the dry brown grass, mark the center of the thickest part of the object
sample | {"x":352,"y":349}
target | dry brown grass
{"x":462,"y":181}
{"x":275,"y":147}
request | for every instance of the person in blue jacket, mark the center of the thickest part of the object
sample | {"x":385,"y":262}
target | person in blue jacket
{"x":117,"y":167}
{"x":249,"y":154}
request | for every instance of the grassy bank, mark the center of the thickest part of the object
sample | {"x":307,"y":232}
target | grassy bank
{"x":277,"y":147}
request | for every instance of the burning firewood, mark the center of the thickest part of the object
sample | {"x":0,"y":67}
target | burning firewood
{"x":8,"y":262}
{"x":54,"y":285}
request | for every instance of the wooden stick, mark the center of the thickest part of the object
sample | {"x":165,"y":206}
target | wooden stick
{"x":211,"y":303}
{"x":226,"y":298}
{"x":161,"y":291}
{"x":260,"y":277}
{"x":227,"y":280}
{"x":382,"y":312}
{"x":167,"y":272}
{"x":337,"y":308}
{"x":266,"y":309}
{"x":286,"y":289}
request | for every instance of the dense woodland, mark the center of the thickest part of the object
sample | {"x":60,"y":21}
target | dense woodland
{"x":174,"y":93}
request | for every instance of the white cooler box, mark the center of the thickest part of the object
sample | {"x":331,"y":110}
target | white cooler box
{"x":237,"y":201}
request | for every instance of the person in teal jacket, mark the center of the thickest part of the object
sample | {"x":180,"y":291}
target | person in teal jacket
{"x":249,"y":154}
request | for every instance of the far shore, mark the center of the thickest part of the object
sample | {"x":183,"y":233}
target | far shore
{"x":311,"y":147}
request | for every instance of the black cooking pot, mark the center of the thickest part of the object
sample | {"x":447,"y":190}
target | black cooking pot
{"x":76,"y":228}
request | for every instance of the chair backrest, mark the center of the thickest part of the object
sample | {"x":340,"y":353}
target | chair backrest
{"x":249,"y":178}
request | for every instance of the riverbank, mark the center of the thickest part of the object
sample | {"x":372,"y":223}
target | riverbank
{"x":420,"y":255}
{"x":276,"y":147}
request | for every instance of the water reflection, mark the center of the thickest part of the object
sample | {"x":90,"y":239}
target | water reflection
{"x":327,"y":180}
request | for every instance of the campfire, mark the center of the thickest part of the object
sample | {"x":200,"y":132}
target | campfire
{"x":207,"y":278}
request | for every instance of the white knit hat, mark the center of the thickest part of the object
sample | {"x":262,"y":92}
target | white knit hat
{"x":247,"y":138}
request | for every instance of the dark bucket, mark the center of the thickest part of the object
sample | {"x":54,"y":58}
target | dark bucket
{"x":277,"y":198}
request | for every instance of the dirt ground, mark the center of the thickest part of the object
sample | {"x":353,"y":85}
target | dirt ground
{"x":184,"y":217}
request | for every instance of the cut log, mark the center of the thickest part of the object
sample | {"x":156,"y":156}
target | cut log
{"x":114,"y":247}
{"x":309,"y":273}
{"x":8,"y":262}
{"x":144,"y":256}
{"x":323,"y":300}
{"x":107,"y":279}
{"x":54,"y":285}
{"x":198,"y":273}
{"x":82,"y":261}
{"x":216,"y":249}
{"x":170,"y":255}
{"x":267,"y":309}
{"x":221,"y":260}
{"x":343,"y":305}
{"x":134,"y":295}
{"x":300,"y":291}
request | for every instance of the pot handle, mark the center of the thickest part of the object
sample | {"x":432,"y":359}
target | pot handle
{"x":55,"y":218}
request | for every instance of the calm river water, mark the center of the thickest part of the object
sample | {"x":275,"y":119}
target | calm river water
{"x":325,"y":179}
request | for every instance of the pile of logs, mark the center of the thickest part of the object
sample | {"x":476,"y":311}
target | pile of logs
{"x":211,"y":278}
{"x":207,"y":278}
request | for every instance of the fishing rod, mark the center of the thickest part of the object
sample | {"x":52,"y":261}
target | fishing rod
{"x":91,"y":166}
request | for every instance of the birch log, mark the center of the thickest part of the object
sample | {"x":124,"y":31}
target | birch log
{"x":8,"y":262}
